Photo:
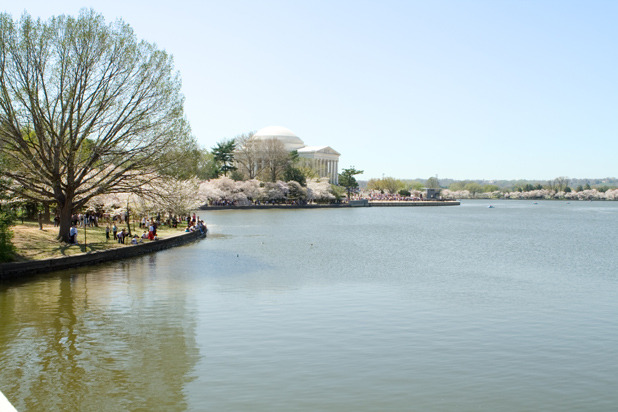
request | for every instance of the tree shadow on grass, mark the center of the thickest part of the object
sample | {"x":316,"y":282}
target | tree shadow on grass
{"x":95,"y":247}
{"x":87,"y":248}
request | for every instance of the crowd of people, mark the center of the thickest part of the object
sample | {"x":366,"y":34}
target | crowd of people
{"x":390,"y":197}
{"x":87,"y":219}
{"x":287,"y":202}
{"x":147,"y":225}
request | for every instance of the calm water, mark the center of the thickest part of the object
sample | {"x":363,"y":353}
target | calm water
{"x":381,"y":309}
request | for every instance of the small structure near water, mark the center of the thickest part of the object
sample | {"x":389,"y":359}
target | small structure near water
{"x":432,"y":194}
{"x":359,"y":203}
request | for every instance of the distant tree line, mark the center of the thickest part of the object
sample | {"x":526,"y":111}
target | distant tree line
{"x":558,"y":188}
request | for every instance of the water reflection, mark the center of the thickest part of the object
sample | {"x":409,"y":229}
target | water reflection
{"x":102,"y":340}
{"x":470,"y":308}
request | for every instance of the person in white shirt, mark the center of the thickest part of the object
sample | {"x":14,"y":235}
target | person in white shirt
{"x":73,"y":234}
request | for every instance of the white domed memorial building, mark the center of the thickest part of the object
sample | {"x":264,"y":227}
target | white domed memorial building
{"x":324,"y":159}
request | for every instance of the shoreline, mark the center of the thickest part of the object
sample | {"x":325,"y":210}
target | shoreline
{"x":361,"y":203}
{"x":19,"y":270}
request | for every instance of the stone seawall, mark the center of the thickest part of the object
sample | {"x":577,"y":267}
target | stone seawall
{"x":354,"y":203}
{"x":395,"y":203}
{"x":260,"y":207}
{"x":16,"y":270}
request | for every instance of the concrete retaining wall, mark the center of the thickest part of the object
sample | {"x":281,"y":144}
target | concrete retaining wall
{"x":311,"y":206}
{"x":415,"y":203}
{"x":353,"y":203}
{"x":19,"y":269}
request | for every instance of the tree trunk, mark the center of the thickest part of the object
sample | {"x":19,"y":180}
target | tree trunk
{"x":47,"y":214}
{"x":128,"y":220}
{"x":66,"y":212}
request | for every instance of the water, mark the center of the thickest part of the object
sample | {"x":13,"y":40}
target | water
{"x":379,"y":309}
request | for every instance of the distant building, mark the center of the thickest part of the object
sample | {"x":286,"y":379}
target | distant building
{"x":324,"y":159}
{"x":432,"y":194}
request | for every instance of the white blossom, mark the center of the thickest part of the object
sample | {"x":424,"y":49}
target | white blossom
{"x":319,"y":190}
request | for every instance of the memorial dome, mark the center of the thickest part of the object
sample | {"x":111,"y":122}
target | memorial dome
{"x":285,"y":136}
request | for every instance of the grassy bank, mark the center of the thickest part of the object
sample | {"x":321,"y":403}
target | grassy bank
{"x":33,"y":243}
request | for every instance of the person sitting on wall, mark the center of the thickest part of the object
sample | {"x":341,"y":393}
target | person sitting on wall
{"x":145,"y":235}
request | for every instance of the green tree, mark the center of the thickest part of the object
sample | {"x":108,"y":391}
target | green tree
{"x":206,"y":165}
{"x":386,"y":184}
{"x":187,"y":162}
{"x":85,"y":109}
{"x":375,"y":184}
{"x":415,"y":185}
{"x":457,"y":186}
{"x":7,"y":249}
{"x":296,"y":192}
{"x":223,"y":154}
{"x":473,"y":188}
{"x":292,"y":173}
{"x":433,"y":183}
{"x":338,"y":191}
{"x":308,"y":171}
{"x":347,"y":179}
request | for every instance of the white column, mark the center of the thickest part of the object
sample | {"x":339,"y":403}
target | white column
{"x":328,"y":170}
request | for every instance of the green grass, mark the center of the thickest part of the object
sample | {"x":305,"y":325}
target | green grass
{"x":33,"y":243}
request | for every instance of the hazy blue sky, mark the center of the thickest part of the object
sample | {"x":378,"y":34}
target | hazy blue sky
{"x":459,"y":89}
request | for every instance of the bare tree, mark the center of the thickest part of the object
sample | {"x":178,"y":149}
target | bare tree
{"x":248,"y":156}
{"x":275,"y":159}
{"x":85,"y":109}
{"x":560,"y":183}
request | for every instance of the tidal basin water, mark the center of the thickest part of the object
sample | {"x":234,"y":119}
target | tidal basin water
{"x":467,"y":308}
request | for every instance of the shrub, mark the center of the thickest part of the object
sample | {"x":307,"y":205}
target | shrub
{"x":7,"y":249}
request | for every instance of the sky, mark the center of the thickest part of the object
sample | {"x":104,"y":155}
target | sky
{"x":457,"y":89}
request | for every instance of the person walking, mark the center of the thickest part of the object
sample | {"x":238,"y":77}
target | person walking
{"x":107,"y":232}
{"x":114,"y":230}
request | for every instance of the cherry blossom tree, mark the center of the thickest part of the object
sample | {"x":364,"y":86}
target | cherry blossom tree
{"x":319,"y":190}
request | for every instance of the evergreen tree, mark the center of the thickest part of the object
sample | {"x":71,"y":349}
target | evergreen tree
{"x":347,"y":179}
{"x":223,"y":154}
